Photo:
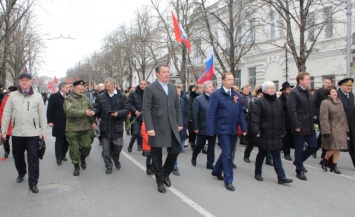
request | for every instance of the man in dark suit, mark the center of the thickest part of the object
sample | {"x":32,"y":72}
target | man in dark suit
{"x":163,"y":120}
{"x":57,"y":119}
{"x":346,"y":96}
{"x":225,"y":113}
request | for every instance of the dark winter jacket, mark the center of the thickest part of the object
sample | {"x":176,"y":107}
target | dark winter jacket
{"x":112,"y":127}
{"x":300,"y":111}
{"x":135,"y":100}
{"x":317,"y":100}
{"x":245,"y":101}
{"x":349,"y":109}
{"x":225,"y":113}
{"x":283,"y":100}
{"x":268,"y":121}
{"x":56,"y":114}
{"x":190,"y":101}
{"x":185,"y":114}
{"x":199,"y":113}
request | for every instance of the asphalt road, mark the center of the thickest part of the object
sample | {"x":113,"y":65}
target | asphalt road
{"x":130,"y":192}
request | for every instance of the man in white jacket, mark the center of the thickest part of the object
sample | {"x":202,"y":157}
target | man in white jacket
{"x":25,"y":108}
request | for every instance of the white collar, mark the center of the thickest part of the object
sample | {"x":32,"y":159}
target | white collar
{"x":114,"y":92}
{"x":225,"y":89}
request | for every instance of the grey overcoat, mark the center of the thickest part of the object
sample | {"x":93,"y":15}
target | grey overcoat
{"x":162,"y":114}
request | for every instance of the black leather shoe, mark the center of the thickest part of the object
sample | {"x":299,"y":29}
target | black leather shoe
{"x":129,"y":149}
{"x":19,"y":179}
{"x":210,"y":167}
{"x":259,"y":177}
{"x":301,"y":176}
{"x":161,"y":188}
{"x":83,"y":162}
{"x":76,"y":170}
{"x":270,"y":163}
{"x":323,"y":162}
{"x":219,"y":177}
{"x":285,"y":180}
{"x":303,"y":168}
{"x":108,"y":170}
{"x":193,"y":161}
{"x":246,"y":159}
{"x":167,"y":181}
{"x":59,"y":162}
{"x":118,"y":165}
{"x":288,"y":157}
{"x":235,"y":166}
{"x":176,"y":172}
{"x":6,"y":155}
{"x":335,"y":169}
{"x":139,"y":148}
{"x":64,"y":158}
{"x":230,"y":187}
{"x":149,"y":170}
{"x":34,"y":189}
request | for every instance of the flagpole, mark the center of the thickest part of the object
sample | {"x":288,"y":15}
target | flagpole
{"x":192,"y":67}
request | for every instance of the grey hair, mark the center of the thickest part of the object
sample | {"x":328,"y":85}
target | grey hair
{"x":266,"y":85}
{"x":207,"y":83}
{"x":111,"y":80}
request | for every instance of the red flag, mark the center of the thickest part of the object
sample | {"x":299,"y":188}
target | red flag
{"x":89,"y":86}
{"x":180,"y":33}
{"x":55,"y":81}
{"x":68,"y":80}
{"x":49,"y":86}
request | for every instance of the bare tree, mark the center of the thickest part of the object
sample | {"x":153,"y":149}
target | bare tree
{"x":303,"y":22}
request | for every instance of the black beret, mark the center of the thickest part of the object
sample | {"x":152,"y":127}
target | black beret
{"x":12,"y":88}
{"x":79,"y":82}
{"x":25,"y":75}
{"x":346,"y":81}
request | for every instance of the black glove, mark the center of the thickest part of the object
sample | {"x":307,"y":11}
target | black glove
{"x":327,"y":136}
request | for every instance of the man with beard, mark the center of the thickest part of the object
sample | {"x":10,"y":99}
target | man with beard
{"x":135,"y":100}
{"x":287,"y":140}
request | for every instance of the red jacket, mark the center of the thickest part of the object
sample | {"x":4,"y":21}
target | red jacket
{"x":9,"y":129}
{"x":145,"y":145}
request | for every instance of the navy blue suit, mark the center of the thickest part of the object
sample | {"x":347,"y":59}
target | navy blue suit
{"x":224,"y":114}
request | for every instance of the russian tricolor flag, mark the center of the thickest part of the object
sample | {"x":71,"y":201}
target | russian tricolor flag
{"x":208,"y":71}
{"x":180,"y":33}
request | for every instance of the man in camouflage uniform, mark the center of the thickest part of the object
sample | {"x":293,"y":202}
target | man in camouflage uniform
{"x":80,"y":125}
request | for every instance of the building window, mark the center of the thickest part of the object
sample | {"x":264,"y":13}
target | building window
{"x":312,"y":82}
{"x":252,"y":76}
{"x":277,"y":84}
{"x":328,"y":19}
{"x":238,"y":81}
{"x":311,"y":26}
{"x":252,"y":29}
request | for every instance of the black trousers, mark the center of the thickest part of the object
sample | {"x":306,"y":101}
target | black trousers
{"x":287,"y":142}
{"x":159,"y":169}
{"x":7,"y":144}
{"x":29,"y":144}
{"x":192,"y":134}
{"x":61,"y":147}
{"x":136,"y":133}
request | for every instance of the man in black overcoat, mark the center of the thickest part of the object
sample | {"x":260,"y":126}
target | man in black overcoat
{"x":346,"y":96}
{"x":56,"y":118}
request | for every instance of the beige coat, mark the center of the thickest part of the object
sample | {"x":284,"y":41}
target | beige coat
{"x":333,"y":122}
{"x":27,"y":114}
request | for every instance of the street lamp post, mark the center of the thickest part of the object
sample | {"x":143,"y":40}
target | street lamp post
{"x":348,"y":39}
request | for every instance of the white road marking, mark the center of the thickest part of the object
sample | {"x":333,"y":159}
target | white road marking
{"x":180,"y":195}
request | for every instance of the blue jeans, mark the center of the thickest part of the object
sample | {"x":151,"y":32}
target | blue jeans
{"x":300,"y":154}
{"x":201,"y":142}
{"x":182,"y":144}
{"x":224,"y":162}
{"x":276,"y":159}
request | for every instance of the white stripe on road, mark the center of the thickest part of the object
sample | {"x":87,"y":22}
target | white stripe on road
{"x":180,"y":195}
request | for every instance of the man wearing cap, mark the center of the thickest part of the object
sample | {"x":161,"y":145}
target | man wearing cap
{"x":57,"y":119}
{"x":26,"y":112}
{"x":347,"y":98}
{"x":287,"y":140}
{"x":80,"y":125}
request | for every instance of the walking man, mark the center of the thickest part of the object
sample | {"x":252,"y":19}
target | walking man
{"x":80,"y":125}
{"x":300,"y":111}
{"x":112,"y":109}
{"x":135,"y":100}
{"x":25,"y":109}
{"x":225,"y":113}
{"x":199,"y":116}
{"x":57,"y":119}
{"x":163,"y":120}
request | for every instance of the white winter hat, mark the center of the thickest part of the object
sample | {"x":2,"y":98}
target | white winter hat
{"x":266,"y":85}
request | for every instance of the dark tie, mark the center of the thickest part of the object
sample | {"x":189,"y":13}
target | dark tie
{"x":64,"y":96}
{"x":229,"y":92}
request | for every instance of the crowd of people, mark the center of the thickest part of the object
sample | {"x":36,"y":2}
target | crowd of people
{"x":161,"y":115}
